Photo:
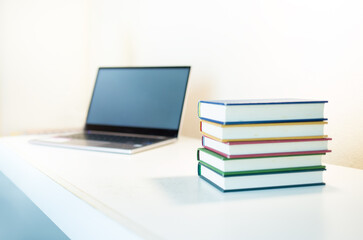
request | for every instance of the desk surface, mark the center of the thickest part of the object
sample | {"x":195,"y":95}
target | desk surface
{"x":157,"y":195}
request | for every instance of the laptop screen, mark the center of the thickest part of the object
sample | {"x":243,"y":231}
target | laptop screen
{"x":145,"y":100}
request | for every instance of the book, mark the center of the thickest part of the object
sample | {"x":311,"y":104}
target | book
{"x":263,"y":131}
{"x":262,"y":180}
{"x":243,"y":149}
{"x":229,"y":166}
{"x":262,"y":171}
{"x":261,"y":111}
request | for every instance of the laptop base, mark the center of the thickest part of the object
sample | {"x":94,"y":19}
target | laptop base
{"x":67,"y":141}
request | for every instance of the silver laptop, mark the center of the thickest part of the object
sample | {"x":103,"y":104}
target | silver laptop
{"x":132,"y":109}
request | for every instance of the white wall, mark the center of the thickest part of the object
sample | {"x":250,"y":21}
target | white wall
{"x":237,"y":49}
{"x":109,"y":35}
{"x":43,"y":48}
{"x":264,"y":49}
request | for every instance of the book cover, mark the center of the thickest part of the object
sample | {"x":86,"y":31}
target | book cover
{"x":263,"y":101}
{"x":263,"y":131}
{"x":224,"y":158}
{"x":266,"y":148}
{"x":233,"y":183}
{"x":263,"y":171}
{"x":257,"y":163}
{"x":228,"y":112}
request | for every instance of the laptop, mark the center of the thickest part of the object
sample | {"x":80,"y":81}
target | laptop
{"x":132,"y":109}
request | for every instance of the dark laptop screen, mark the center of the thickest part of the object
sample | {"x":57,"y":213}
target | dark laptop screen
{"x":150,"y":98}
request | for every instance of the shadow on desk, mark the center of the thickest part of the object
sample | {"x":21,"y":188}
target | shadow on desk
{"x":194,"y":190}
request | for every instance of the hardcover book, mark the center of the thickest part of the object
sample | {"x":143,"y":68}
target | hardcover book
{"x":267,"y":148}
{"x":262,"y":180}
{"x":263,"y":131}
{"x":229,"y":165}
{"x":261,"y":111}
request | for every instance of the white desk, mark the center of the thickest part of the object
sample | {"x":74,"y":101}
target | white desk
{"x":158,"y":195}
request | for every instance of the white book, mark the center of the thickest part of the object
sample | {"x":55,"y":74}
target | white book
{"x":263,"y":131}
{"x":267,"y":148}
{"x":261,"y":181}
{"x":257,"y":163}
{"x":261,"y":110}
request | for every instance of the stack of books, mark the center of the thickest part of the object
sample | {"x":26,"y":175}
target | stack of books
{"x":262,"y":144}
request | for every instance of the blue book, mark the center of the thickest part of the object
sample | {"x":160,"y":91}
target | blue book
{"x":261,"y":111}
{"x":261,"y":179}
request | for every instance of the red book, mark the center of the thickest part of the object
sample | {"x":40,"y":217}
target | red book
{"x":267,"y":148}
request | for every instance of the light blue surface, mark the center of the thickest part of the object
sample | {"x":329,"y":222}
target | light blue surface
{"x":20,"y":218}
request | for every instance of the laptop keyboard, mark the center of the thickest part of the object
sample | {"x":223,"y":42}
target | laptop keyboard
{"x":115,"y":138}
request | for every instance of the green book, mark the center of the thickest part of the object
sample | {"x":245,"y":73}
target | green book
{"x":227,"y":166}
